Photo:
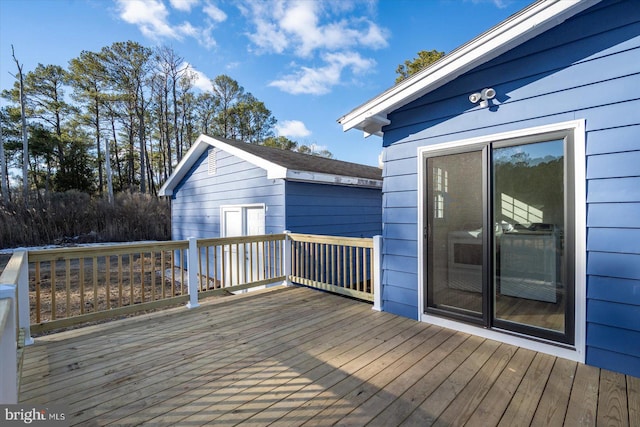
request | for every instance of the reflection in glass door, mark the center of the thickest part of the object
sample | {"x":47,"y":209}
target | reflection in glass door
{"x":530,"y":286}
{"x":454,"y":234}
{"x":519,"y":276}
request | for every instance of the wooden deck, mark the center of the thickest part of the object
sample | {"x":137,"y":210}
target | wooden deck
{"x":297,"y":356}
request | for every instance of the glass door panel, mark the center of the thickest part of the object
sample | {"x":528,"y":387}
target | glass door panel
{"x":454,"y":234}
{"x":529,"y":284}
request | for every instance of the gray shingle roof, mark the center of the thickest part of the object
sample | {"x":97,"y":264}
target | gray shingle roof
{"x":306,"y":162}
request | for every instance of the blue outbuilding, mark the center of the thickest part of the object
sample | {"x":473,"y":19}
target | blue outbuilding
{"x":224,"y":188}
{"x":511,"y":203}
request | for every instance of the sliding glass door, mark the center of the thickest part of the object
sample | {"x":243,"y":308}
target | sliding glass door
{"x":455,"y":235}
{"x":497,"y":247}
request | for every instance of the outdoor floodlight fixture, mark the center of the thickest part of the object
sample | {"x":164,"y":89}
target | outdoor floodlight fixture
{"x":483,"y":96}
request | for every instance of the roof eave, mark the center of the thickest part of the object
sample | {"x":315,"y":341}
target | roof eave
{"x":371,"y":117}
{"x":332,"y":179}
{"x":274,"y":171}
{"x":200,"y":146}
{"x":183,"y":166}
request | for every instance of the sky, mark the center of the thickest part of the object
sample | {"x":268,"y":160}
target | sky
{"x":309,"y":61}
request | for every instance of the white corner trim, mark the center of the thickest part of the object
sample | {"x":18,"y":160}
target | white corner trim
{"x":522,"y":26}
{"x":578,"y":129}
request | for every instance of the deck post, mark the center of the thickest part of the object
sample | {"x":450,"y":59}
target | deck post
{"x":286,"y":257}
{"x":24,"y":307}
{"x":377,"y":273}
{"x":192,"y":281}
{"x":8,"y":346}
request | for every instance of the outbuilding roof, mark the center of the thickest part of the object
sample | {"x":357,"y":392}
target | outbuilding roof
{"x":279,"y":163}
{"x":530,"y":22}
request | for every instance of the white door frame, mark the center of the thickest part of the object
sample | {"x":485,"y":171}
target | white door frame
{"x":229,"y":256}
{"x":575,"y":352}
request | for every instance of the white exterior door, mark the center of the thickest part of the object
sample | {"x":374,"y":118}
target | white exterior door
{"x":243,"y":262}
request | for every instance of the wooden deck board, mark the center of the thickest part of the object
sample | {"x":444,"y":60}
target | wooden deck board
{"x":583,"y":403}
{"x":612,"y":400}
{"x":490,"y":410}
{"x":552,"y":407}
{"x":339,"y":381}
{"x":633,"y":397}
{"x":304,"y":362}
{"x":524,"y":402}
{"x":297,"y":356}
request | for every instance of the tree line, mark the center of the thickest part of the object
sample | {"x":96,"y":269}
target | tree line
{"x":120,"y":120}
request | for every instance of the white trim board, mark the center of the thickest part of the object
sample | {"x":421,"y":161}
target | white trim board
{"x":576,"y":352}
{"x":530,"y":22}
{"x":274,"y":171}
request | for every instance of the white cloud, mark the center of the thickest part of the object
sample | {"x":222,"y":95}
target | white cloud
{"x":307,"y":26}
{"x":319,"y":81}
{"x":205,"y":37}
{"x":292,"y":128}
{"x":184,"y":5}
{"x":188,"y":30}
{"x":214,"y":13}
{"x":149,"y":15}
{"x":152,"y":18}
{"x":269,"y":38}
{"x":202,"y":82}
{"x":328,"y":32}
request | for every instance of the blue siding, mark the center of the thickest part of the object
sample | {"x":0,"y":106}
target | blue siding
{"x":586,"y":68}
{"x":309,"y":208}
{"x":613,"y":348}
{"x":333,"y":210}
{"x":195,"y":208}
{"x":614,"y":190}
{"x":612,"y":289}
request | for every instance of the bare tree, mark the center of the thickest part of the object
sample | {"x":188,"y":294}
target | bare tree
{"x":4,"y":185}
{"x":25,"y":139}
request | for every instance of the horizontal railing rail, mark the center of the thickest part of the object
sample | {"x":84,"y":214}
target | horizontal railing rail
{"x":343,"y":265}
{"x":69,"y":286}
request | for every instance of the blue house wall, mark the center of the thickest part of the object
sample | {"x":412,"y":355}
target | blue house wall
{"x":196,"y":201}
{"x":585,"y":68}
{"x":300,"y":207}
{"x":333,"y":210}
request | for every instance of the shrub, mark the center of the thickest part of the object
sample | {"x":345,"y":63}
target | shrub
{"x":76,"y":217}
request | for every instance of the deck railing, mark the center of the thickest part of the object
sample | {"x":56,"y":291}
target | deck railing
{"x":84,"y":284}
{"x":70,"y":286}
{"x":56,"y":288}
{"x":14,"y":323}
{"x":238,"y":263}
{"x":343,"y":265}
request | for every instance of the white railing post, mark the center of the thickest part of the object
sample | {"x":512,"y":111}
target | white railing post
{"x":8,"y":348}
{"x":192,"y":260}
{"x":286,"y":257}
{"x":24,"y":306}
{"x":377,"y":273}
